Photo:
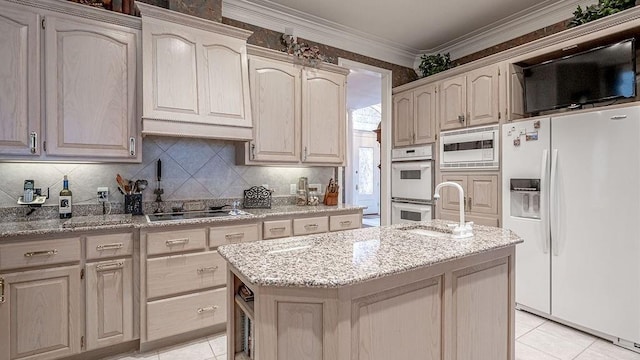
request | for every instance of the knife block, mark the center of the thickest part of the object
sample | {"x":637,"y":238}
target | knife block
{"x":330,"y":198}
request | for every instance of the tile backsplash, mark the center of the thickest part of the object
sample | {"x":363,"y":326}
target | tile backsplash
{"x":191,"y":169}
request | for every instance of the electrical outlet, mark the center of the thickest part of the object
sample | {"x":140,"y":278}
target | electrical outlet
{"x":292,"y":189}
{"x":317,"y":187}
{"x":103,"y":194}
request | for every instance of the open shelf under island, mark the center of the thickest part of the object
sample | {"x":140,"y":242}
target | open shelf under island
{"x":394,"y":292}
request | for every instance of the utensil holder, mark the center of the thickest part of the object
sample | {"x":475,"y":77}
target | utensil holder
{"x":133,"y":204}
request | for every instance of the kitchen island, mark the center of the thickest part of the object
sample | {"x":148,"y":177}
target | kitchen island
{"x":395,"y":292}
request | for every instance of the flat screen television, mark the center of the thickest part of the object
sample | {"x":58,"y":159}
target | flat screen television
{"x":599,"y":74}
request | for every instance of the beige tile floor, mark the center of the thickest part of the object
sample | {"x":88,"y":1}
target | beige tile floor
{"x":536,"y":339}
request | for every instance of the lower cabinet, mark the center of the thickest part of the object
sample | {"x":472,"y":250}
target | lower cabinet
{"x":109,"y":318}
{"x":481,"y":198}
{"x":40,"y":314}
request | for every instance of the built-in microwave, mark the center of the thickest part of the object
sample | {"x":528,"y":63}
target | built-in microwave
{"x":475,"y":148}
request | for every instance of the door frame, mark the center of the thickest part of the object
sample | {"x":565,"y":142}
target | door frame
{"x":385,"y":141}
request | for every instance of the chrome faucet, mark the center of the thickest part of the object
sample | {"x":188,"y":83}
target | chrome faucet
{"x":462,"y":230}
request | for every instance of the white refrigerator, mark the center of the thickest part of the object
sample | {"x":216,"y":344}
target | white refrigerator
{"x":571,"y":190}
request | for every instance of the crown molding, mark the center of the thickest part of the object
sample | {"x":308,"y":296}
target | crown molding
{"x":601,"y":28}
{"x":83,"y":11}
{"x":529,"y":20}
{"x":159,"y":13}
{"x":272,"y":16}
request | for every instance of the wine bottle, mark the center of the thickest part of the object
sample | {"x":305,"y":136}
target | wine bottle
{"x":64,"y":208}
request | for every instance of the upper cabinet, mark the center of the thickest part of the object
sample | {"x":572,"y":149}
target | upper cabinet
{"x":91,"y":89}
{"x":195,"y":79}
{"x":414,"y":116}
{"x":87,"y":64}
{"x":299,"y":113}
{"x":20,"y":85}
{"x":471,"y":99}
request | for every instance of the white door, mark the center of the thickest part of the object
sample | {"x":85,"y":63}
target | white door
{"x":529,"y":160}
{"x":366,"y":174}
{"x":595,"y":210}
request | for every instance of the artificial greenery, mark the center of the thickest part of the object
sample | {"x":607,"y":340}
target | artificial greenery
{"x":433,"y":64}
{"x":599,"y":10}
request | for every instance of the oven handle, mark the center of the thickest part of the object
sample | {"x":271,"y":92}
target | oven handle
{"x":411,"y":166}
{"x":412,"y":207}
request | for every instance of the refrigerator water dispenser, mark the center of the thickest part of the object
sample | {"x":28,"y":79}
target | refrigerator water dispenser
{"x":525,"y":198}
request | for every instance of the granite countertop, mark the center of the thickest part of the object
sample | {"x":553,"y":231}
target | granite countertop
{"x":124,"y":221}
{"x":349,"y":257}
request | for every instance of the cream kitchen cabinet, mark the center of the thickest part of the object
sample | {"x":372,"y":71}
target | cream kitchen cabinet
{"x":81,"y":70}
{"x":414,"y":116}
{"x":40,"y":314}
{"x":470,"y":99}
{"x":480,"y":198}
{"x":90,"y":72}
{"x":299,"y":112}
{"x":20,"y":85}
{"x":195,"y":77}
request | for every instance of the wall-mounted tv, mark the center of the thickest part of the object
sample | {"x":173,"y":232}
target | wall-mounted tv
{"x":599,"y":74}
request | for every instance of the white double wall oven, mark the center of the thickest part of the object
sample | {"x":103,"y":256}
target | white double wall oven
{"x":412,"y":179}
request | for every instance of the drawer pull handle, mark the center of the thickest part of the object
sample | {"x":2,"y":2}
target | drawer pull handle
{"x":176,"y":242}
{"x":2,"y":298}
{"x":346,"y":222}
{"x":110,"y":266}
{"x":208,"y":308}
{"x":207,"y":269}
{"x":41,"y":253}
{"x":234,"y":235}
{"x":311,"y":226}
{"x":282,"y":228}
{"x":113,"y":246}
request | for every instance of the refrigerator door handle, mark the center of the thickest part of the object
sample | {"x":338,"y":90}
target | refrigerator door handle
{"x":554,"y":204}
{"x":544,"y":207}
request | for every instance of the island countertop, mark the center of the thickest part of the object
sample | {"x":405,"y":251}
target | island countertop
{"x":349,"y":257}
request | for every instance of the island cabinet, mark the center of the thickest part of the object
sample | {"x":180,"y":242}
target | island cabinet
{"x":460,"y":309}
{"x":81,"y":70}
{"x":195,"y":77}
{"x":481,"y":198}
{"x":471,"y":99}
{"x":299,"y":112}
{"x":415,"y":116}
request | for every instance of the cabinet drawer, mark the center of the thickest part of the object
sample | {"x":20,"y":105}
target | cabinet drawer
{"x":106,"y":246}
{"x":310,"y":225}
{"x":344,"y":222}
{"x":233,"y":234}
{"x":180,"y":314}
{"x":179,"y":273}
{"x":36,"y":253}
{"x":176,"y":241}
{"x":276,"y":229}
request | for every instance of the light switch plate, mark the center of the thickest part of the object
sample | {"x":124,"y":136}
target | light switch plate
{"x":292,"y":189}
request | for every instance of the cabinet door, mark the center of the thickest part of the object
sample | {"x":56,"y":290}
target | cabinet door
{"x":169,"y":71}
{"x":275,"y":93}
{"x":483,"y":96}
{"x":40,"y":316}
{"x":449,"y":197}
{"x":516,"y":93}
{"x":403,"y":119}
{"x":424,"y":114}
{"x":453,"y":103}
{"x":224,"y":81}
{"x":482,"y":193}
{"x":324,"y":117}
{"x":109,"y":318}
{"x":20,"y":84}
{"x":91,"y":97}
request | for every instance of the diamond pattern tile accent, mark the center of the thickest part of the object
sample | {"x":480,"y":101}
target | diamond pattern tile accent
{"x":192,"y":169}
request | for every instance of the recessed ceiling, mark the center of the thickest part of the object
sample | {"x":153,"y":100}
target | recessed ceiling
{"x":400,"y":31}
{"x":417,"y":24}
